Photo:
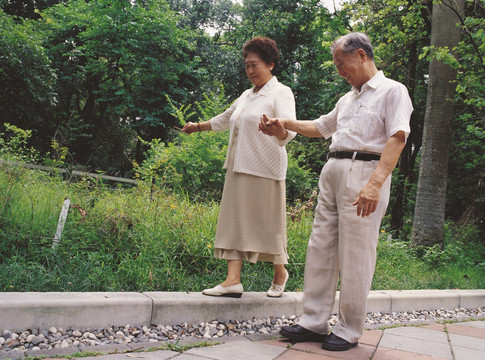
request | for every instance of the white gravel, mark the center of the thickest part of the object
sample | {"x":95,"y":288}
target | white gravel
{"x":57,"y":338}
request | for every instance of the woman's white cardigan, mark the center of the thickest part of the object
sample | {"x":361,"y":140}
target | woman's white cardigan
{"x":256,"y":153}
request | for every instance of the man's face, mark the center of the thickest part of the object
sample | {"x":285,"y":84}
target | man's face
{"x":351,"y":66}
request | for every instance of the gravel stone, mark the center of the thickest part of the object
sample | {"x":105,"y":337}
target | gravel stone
{"x":57,"y":338}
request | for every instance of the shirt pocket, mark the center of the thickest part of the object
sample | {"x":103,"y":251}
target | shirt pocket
{"x":368,"y":123}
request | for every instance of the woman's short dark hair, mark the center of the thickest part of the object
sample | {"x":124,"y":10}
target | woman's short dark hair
{"x":264,"y":47}
{"x":353,"y":41}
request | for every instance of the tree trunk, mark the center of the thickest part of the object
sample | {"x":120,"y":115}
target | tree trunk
{"x":429,"y":214}
{"x":405,"y":167}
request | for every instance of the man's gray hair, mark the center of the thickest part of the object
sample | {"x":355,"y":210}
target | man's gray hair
{"x":352,"y":42}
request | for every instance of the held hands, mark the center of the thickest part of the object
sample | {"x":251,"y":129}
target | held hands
{"x":272,"y":127}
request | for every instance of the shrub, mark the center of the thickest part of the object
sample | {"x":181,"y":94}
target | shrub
{"x":14,"y":144}
{"x":193,"y":164}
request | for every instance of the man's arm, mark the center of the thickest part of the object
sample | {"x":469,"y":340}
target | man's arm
{"x":279,"y":127}
{"x":369,"y":195}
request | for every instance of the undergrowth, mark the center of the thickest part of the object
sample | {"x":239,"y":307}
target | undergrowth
{"x":148,"y":239}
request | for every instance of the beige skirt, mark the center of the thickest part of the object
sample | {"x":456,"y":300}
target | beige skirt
{"x":252,"y":218}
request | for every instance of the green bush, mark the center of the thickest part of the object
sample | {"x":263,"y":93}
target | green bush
{"x":193,"y":164}
{"x":462,"y":247}
{"x":14,"y":144}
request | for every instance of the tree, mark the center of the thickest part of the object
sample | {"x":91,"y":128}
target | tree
{"x":429,"y":215}
{"x":27,"y":9}
{"x":466,"y":175}
{"x":116,"y":62}
{"x":27,"y":80}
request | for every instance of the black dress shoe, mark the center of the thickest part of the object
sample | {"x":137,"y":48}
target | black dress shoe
{"x":335,"y":343}
{"x":297,"y":333}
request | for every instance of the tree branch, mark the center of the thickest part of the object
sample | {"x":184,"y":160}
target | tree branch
{"x":467,"y":32}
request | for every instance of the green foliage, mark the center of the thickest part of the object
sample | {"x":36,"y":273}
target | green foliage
{"x":14,"y":144}
{"x":301,"y":182}
{"x":459,"y":264}
{"x":462,"y":247}
{"x":194,"y":165}
{"x":213,"y":103}
{"x":116,"y":62}
{"x":27,"y":93}
{"x":440,"y":54}
{"x":466,"y":200}
{"x":466,"y":193}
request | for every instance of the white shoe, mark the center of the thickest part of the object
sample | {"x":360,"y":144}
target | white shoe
{"x":277,"y":290}
{"x":234,"y":291}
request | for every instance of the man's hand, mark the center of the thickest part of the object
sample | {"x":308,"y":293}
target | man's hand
{"x":367,"y":200}
{"x":369,"y":196}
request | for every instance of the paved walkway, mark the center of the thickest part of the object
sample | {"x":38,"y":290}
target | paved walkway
{"x":450,"y":341}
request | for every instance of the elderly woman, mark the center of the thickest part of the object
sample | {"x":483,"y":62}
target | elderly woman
{"x":252,"y":218}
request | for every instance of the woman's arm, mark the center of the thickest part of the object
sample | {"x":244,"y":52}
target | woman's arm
{"x":191,"y":127}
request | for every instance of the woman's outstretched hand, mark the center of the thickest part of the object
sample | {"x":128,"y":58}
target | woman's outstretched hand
{"x":190,"y":127}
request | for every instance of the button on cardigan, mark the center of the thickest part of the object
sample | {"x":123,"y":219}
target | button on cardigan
{"x":256,"y":153}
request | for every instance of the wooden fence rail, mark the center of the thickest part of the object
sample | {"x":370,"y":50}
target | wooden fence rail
{"x":71,"y":172}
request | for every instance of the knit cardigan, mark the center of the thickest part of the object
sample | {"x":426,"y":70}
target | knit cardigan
{"x":256,"y":153}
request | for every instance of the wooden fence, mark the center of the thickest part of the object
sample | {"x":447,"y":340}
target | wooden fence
{"x":70,"y":172}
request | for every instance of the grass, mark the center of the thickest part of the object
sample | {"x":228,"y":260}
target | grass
{"x":177,"y":347}
{"x":143,"y":239}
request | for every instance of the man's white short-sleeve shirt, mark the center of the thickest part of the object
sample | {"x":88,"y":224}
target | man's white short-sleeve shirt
{"x":364,"y":121}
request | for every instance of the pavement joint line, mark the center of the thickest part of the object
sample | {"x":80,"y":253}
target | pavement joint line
{"x":445,"y":329}
{"x":153,"y":306}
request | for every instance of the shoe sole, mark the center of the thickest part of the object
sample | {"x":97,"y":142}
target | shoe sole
{"x":231,"y":295}
{"x":274,"y":296}
{"x":338,"y":348}
{"x":302,"y":338}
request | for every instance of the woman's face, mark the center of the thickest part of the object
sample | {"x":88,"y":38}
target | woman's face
{"x":258,"y":72}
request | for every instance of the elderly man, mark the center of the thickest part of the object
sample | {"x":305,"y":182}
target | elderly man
{"x":369,"y":127}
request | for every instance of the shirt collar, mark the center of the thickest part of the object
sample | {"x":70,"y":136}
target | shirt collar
{"x":266,"y":89}
{"x":372,"y":83}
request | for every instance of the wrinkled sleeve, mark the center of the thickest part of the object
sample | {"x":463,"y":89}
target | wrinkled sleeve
{"x":398,"y":110}
{"x":221,"y":121}
{"x":327,"y":124}
{"x":285,"y":109}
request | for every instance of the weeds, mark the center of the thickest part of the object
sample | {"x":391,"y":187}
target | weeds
{"x":146,"y":239}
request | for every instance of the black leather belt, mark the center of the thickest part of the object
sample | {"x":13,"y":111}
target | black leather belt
{"x":350,"y":155}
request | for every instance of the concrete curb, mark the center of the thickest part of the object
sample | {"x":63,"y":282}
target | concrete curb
{"x":21,"y":311}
